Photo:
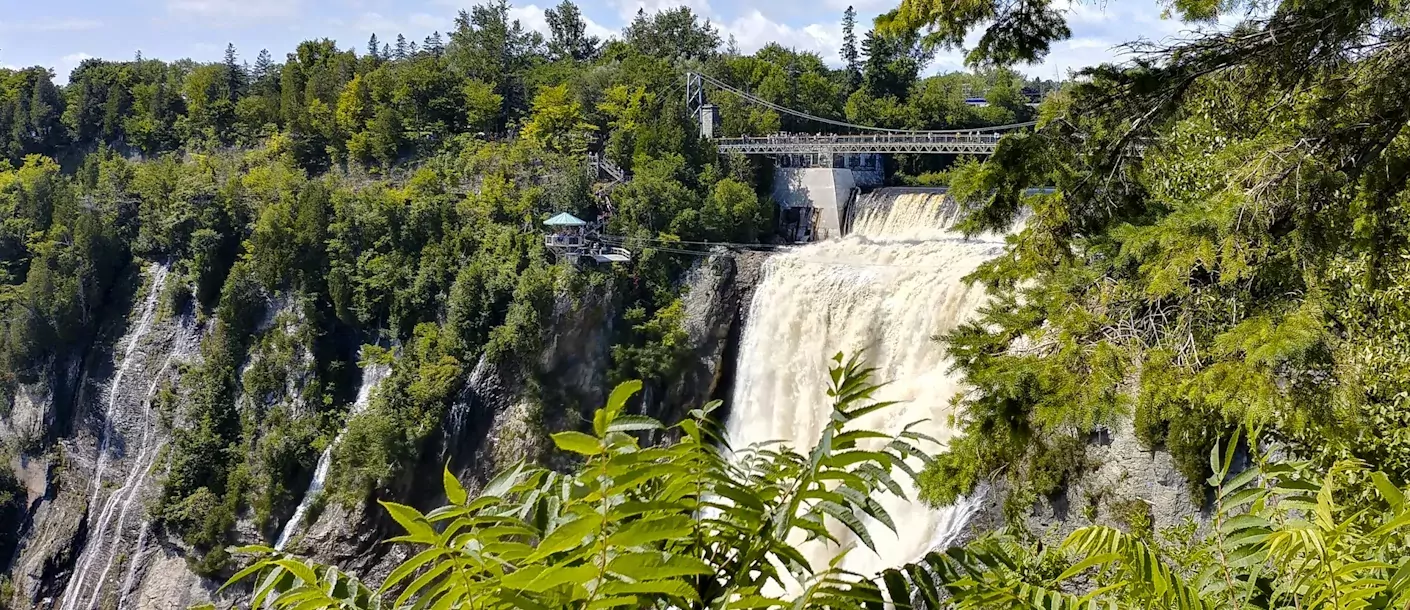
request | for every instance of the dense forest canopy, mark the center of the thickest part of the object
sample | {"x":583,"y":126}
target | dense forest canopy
{"x":1211,"y":240}
{"x":391,"y":194}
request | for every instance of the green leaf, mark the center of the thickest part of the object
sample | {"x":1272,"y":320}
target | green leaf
{"x":849,"y":519}
{"x":634,"y":423}
{"x":298,"y":569}
{"x":537,"y":579}
{"x":656,"y":565}
{"x":673,"y":588}
{"x":923,"y":581}
{"x":455,"y":492}
{"x":577,"y":442}
{"x":410,"y":566}
{"x":896,"y":588}
{"x":1388,"y":490}
{"x":638,"y":533}
{"x":617,"y":402}
{"x":566,"y":536}
{"x":611,"y":602}
{"x":245,"y":573}
{"x":1090,"y":562}
{"x":1237,"y":483}
{"x":416,"y":526}
{"x":503,"y":482}
{"x":253,"y":549}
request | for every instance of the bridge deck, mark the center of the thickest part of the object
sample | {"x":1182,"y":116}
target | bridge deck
{"x":922,"y":143}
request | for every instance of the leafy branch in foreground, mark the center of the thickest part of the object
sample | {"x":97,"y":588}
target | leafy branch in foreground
{"x":1282,"y":535}
{"x":687,"y":525}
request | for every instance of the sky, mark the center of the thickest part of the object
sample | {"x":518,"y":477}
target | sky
{"x":60,"y":34}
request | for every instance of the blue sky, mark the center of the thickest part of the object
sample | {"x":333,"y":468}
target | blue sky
{"x":61,"y":33}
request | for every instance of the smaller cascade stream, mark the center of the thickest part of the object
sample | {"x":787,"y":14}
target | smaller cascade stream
{"x":107,"y":523}
{"x":144,"y":323}
{"x":371,"y":377}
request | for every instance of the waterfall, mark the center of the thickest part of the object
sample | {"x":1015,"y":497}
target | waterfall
{"x":887,"y":290}
{"x":104,"y":536}
{"x":144,"y":323}
{"x":371,"y":376}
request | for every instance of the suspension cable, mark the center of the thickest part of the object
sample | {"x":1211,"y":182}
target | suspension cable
{"x":803,"y":115}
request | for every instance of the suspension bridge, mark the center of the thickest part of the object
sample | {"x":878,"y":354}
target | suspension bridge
{"x":865,"y":139}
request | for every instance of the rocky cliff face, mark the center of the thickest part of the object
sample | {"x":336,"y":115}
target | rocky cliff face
{"x":716,"y":295}
{"x":88,"y":540}
{"x":1126,"y":486}
{"x":90,"y":544}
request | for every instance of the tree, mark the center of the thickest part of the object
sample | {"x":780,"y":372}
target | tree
{"x":236,"y":78}
{"x":557,"y":121}
{"x":402,"y":51}
{"x":354,"y":106}
{"x":31,"y":114}
{"x":894,"y":60}
{"x":490,"y":47}
{"x":264,"y":67}
{"x":568,"y":38}
{"x":1224,"y":290}
{"x":1020,"y":31}
{"x":849,"y":48}
{"x":673,"y":34}
{"x":434,"y":45}
{"x":374,"y":48}
{"x":482,"y":105}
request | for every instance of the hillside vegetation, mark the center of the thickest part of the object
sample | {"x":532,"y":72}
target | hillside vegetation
{"x":390,"y":197}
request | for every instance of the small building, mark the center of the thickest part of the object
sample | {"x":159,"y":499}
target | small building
{"x":575,"y":239}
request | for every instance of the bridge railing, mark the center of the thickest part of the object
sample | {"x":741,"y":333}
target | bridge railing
{"x":916,"y":138}
{"x":919,"y":142}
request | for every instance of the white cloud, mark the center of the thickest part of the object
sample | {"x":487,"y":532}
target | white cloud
{"x":861,"y":6}
{"x":424,"y":21}
{"x":533,"y":18}
{"x":627,"y":9}
{"x":375,"y":22}
{"x":752,"y":31}
{"x":235,"y":9}
{"x":50,"y":25}
{"x":1081,"y":12}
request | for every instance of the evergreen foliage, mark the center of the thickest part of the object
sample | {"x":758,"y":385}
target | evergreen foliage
{"x":1210,"y":234}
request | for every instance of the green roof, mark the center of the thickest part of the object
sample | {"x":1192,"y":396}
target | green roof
{"x":565,"y":220}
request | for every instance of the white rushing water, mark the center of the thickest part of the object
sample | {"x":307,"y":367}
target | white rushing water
{"x":103,"y":538}
{"x":885,"y":291}
{"x":371,"y":376}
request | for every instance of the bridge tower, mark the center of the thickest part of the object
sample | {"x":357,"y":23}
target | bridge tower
{"x":707,"y":115}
